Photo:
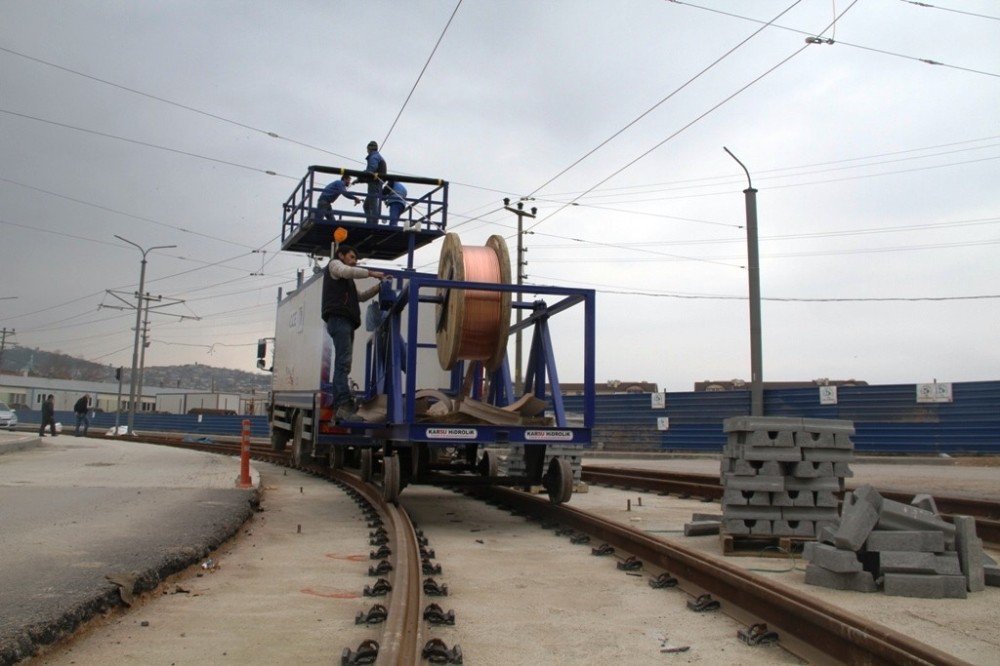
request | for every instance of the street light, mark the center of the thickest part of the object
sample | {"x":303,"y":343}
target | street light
{"x":138,"y":322}
{"x":753,"y":259}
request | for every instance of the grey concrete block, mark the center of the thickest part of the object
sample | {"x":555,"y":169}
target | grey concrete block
{"x":828,"y":455}
{"x":826,"y":533}
{"x":924,"y":587}
{"x":987,"y":559}
{"x":895,"y":515}
{"x":767,"y":483}
{"x":736,"y":497}
{"x":831,"y":558}
{"x":803,"y":528}
{"x":737,"y":527}
{"x":809,"y":469}
{"x":761,"y":528}
{"x":752,"y":423}
{"x":991,"y":575}
{"x":726,"y":464}
{"x":699,"y":517}
{"x":743,"y":467}
{"x":771,"y":438}
{"x":824,"y":483}
{"x":702,"y":527}
{"x":970,"y":553}
{"x":793,"y":498}
{"x":808,"y":513}
{"x":838,"y":426}
{"x":894,"y":561}
{"x":842,"y":470}
{"x":930,"y":541}
{"x":825,"y":498}
{"x":760,"y":498}
{"x":868,"y":494}
{"x":751,"y":512}
{"x":856,"y":522}
{"x":858,"y":581}
{"x":732,"y":450}
{"x":925,"y":502}
{"x":778,"y":453}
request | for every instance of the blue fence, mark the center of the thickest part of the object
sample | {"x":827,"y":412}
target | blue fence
{"x":187,"y":423}
{"x":888,"y":418}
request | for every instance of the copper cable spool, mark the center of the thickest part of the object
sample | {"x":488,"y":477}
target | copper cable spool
{"x":473,"y":325}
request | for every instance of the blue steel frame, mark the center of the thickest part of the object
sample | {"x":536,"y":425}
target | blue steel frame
{"x":387,"y":356}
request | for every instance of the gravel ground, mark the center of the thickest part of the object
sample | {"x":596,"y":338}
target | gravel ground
{"x":521,"y":594}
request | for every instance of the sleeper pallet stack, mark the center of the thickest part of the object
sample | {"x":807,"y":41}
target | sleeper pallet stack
{"x":780,"y":476}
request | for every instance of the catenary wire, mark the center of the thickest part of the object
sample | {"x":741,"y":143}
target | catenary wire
{"x":421,"y":75}
{"x":925,"y":5}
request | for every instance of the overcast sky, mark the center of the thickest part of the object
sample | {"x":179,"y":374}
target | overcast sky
{"x":878,"y":173}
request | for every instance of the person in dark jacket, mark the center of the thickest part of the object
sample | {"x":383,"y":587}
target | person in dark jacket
{"x":81,"y":408}
{"x":375,"y":165}
{"x":342,"y":314}
{"x":48,"y":416}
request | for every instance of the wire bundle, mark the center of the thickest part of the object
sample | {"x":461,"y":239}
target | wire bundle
{"x":473,"y":325}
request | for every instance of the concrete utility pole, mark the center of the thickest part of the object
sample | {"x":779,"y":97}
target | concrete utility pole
{"x":753,"y":270}
{"x":3,"y":343}
{"x":521,"y":263}
{"x":138,"y":322}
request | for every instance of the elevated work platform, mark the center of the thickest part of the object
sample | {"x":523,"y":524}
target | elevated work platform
{"x":309,"y":230}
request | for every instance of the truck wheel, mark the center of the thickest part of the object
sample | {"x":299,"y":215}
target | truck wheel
{"x":367,"y":456}
{"x":279,"y":439}
{"x":337,"y":456}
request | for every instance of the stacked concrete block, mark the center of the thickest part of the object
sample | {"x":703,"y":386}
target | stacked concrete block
{"x":906,"y":549}
{"x":513,"y":465}
{"x":780,"y":474}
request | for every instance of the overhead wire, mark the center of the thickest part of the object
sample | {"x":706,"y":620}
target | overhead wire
{"x":137,"y":142}
{"x":926,"y":61}
{"x":674,"y":92}
{"x":421,"y":75}
{"x":925,"y":5}
{"x":698,"y":118}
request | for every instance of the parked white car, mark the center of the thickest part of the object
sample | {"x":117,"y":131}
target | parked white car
{"x":8,"y":417}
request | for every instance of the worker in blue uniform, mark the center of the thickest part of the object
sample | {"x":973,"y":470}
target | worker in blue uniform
{"x":342,"y":314}
{"x":375,"y":165}
{"x":331,"y":193}
{"x":395,"y":198}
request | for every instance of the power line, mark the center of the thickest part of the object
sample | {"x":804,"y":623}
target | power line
{"x":421,"y":75}
{"x":926,"y":61}
{"x":192,"y":109}
{"x":146,"y":144}
{"x":604,"y":289}
{"x":669,"y":96}
{"x":947,"y":9}
{"x":118,"y":212}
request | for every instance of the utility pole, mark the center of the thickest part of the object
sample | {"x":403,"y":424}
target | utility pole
{"x":138,"y":321}
{"x":753,"y":270}
{"x":521,"y":263}
{"x":3,"y":343}
{"x":145,"y":341}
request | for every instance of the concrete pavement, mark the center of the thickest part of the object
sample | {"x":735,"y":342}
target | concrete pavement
{"x":88,"y":522}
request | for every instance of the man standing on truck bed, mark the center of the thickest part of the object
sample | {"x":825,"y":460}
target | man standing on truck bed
{"x":342,"y":314}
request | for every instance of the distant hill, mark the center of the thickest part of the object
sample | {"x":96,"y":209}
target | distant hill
{"x":39,"y":363}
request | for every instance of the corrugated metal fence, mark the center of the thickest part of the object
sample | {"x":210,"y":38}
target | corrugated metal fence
{"x":888,"y":419}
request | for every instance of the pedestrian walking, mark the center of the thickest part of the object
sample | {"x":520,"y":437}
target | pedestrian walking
{"x":48,"y":416}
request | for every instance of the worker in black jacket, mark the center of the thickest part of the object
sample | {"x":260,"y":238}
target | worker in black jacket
{"x":81,"y":408}
{"x":48,"y":416}
{"x":342,"y":314}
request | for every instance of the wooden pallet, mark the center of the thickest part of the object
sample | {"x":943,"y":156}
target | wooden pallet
{"x":757,"y":545}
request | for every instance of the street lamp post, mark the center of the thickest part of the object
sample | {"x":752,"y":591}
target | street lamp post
{"x":753,"y":270}
{"x":138,"y":323}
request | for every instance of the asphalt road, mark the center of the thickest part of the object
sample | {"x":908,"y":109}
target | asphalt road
{"x":85,"y":523}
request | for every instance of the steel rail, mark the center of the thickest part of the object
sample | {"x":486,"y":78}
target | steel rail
{"x":838,"y":634}
{"x":986,"y":512}
{"x":402,"y":633}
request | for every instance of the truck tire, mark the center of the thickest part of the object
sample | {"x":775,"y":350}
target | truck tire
{"x":279,"y":439}
{"x":299,"y":452}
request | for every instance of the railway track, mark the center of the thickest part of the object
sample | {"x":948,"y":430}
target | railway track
{"x":707,"y":486}
{"x":807,"y":627}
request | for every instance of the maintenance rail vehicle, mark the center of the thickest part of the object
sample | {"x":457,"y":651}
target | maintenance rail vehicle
{"x":402,"y":373}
